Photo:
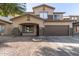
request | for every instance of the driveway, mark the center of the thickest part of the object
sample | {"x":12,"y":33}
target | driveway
{"x":48,"y":46}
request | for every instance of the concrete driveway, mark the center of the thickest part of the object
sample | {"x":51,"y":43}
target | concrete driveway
{"x":48,"y":46}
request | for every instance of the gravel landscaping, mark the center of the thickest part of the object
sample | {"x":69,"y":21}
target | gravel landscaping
{"x":39,"y":46}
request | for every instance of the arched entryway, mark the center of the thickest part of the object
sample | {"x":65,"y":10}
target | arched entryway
{"x":30,"y":29}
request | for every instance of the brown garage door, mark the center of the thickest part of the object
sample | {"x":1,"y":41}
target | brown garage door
{"x":56,"y":30}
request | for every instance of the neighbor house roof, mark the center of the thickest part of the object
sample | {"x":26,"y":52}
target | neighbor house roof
{"x":74,"y":15}
{"x":6,"y":21}
{"x":76,"y":23}
{"x":58,"y":12}
{"x":29,"y":12}
{"x":44,"y":5}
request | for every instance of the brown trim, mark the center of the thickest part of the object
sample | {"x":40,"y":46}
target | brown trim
{"x":74,"y":15}
{"x":2,"y":24}
{"x":29,"y":15}
{"x":43,"y":8}
{"x":44,"y":5}
{"x":5,"y":21}
{"x":28,"y":24}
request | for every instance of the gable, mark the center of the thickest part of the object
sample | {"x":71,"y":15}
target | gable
{"x":42,"y":9}
{"x":27,"y":19}
{"x":26,"y":16}
{"x":43,"y":5}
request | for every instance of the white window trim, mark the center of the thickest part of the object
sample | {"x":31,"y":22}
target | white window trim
{"x":43,"y":15}
{"x":56,"y":14}
{"x":74,"y":18}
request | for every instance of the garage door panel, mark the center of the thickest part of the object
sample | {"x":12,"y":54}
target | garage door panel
{"x":56,"y":30}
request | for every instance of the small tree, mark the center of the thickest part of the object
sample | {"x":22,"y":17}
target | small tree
{"x":12,"y":9}
{"x":16,"y":32}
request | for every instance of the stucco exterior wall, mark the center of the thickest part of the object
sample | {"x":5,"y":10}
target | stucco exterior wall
{"x":16,"y":22}
{"x":77,"y":18}
{"x":40,"y":9}
{"x":41,"y":23}
{"x":7,"y":28}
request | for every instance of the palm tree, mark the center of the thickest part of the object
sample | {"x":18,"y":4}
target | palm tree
{"x":13,"y":9}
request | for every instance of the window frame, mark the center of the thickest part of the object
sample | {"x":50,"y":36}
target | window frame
{"x":43,"y":13}
{"x":74,"y":18}
{"x":58,"y":17}
{"x":2,"y":28}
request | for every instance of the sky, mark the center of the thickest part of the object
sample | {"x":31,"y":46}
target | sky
{"x":68,"y":8}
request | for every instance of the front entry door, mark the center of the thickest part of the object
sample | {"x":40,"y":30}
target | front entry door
{"x":37,"y":27}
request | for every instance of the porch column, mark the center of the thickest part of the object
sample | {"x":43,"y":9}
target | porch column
{"x":41,"y":31}
{"x":71,"y":30}
{"x":20,"y":27}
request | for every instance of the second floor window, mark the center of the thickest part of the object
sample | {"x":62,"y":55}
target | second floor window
{"x":74,"y":18}
{"x":57,"y":16}
{"x":44,"y":15}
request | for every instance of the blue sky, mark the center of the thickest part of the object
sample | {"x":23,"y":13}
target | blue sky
{"x":69,"y":8}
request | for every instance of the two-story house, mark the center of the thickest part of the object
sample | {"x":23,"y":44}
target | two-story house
{"x":44,"y":21}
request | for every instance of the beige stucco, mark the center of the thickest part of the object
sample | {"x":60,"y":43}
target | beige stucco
{"x":16,"y":22}
{"x":7,"y":28}
{"x":41,"y":23}
{"x":40,"y":9}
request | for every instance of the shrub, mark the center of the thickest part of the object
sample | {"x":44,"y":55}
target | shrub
{"x":16,"y":32}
